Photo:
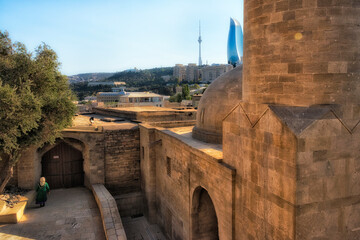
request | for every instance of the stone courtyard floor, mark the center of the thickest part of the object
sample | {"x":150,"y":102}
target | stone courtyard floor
{"x":69,"y":214}
{"x":140,"y":229}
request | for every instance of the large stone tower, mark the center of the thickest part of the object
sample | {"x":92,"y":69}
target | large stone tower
{"x":294,"y":138}
{"x":301,"y":53}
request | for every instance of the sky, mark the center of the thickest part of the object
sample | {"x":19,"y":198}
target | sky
{"x":115,"y":35}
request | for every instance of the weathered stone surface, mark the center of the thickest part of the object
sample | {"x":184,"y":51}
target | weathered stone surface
{"x":110,"y":216}
{"x":312,"y":39}
{"x":219,"y":98}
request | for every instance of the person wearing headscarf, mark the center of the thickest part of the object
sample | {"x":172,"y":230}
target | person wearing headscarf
{"x":41,"y":192}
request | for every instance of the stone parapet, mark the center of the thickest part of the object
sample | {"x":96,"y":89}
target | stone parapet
{"x":110,"y":216}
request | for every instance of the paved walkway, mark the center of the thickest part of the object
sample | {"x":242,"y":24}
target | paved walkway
{"x":69,"y":214}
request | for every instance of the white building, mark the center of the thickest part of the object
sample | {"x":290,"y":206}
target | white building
{"x":131,"y":99}
{"x":90,"y":98}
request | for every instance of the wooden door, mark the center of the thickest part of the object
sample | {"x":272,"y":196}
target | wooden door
{"x":62,"y":166}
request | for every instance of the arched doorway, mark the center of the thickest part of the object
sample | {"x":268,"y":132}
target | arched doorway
{"x":62,"y":166}
{"x":204,"y":220}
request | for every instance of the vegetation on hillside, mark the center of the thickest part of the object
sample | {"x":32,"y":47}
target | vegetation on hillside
{"x":82,"y":90}
{"x":142,"y":81}
{"x":89,"y":77}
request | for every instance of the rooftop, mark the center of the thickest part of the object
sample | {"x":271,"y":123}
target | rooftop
{"x":185,"y":135}
{"x":130,"y":94}
{"x":82,"y":123}
{"x":149,"y":109}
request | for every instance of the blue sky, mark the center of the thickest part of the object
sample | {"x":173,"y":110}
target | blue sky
{"x":110,"y":36}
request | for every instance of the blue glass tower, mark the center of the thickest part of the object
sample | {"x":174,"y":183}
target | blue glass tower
{"x":235,"y":43}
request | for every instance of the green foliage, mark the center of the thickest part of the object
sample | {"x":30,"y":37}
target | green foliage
{"x":82,"y":89}
{"x":35,"y":99}
{"x":185,"y":95}
{"x":142,"y":80}
{"x":186,"y":92}
{"x":176,"y":98}
{"x":142,"y":77}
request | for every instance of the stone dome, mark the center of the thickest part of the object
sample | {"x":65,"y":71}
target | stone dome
{"x":220,"y":97}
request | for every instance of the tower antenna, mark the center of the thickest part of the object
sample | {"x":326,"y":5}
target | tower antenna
{"x":199,"y":40}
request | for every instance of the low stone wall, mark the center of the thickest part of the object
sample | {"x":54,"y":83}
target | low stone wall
{"x":110,"y":216}
{"x":172,"y":124}
{"x":148,"y":116}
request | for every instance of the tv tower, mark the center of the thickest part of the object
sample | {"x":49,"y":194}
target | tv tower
{"x":199,"y":40}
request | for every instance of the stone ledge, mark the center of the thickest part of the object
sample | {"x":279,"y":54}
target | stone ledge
{"x":110,"y":216}
{"x":13,"y":215}
{"x":30,"y":196}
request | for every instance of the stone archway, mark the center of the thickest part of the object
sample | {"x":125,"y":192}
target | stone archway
{"x":203,"y":214}
{"x":62,"y":165}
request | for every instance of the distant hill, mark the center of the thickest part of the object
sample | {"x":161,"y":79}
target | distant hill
{"x":141,"y":78}
{"x":89,"y":77}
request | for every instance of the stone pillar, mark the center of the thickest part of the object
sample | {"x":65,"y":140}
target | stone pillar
{"x":148,"y":145}
{"x":29,"y":169}
{"x":294,"y":140}
{"x":302,"y":52}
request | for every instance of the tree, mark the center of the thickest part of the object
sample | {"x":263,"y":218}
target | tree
{"x":186,"y":92}
{"x":35,"y":101}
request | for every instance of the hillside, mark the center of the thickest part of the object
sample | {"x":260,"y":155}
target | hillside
{"x":142,"y":77}
{"x":89,"y":77}
{"x":141,"y":80}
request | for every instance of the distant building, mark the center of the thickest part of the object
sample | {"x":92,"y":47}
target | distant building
{"x":186,"y":103}
{"x":90,"y":98}
{"x":91,"y":84}
{"x":196,"y":99}
{"x":210,"y":73}
{"x":178,"y":89}
{"x":131,"y":99}
{"x":131,"y":70}
{"x":109,"y":97}
{"x":179,"y":72}
{"x":235,"y":43}
{"x":118,"y":89}
{"x":192,"y":72}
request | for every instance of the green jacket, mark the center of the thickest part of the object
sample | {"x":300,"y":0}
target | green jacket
{"x":42,"y":192}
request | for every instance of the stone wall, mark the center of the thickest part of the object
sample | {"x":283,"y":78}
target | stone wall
{"x":122,"y":160}
{"x":111,"y":157}
{"x":328,"y":180}
{"x":297,"y":172}
{"x":263,"y":152}
{"x":162,"y":115}
{"x":172,"y":170}
{"x":301,"y":52}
